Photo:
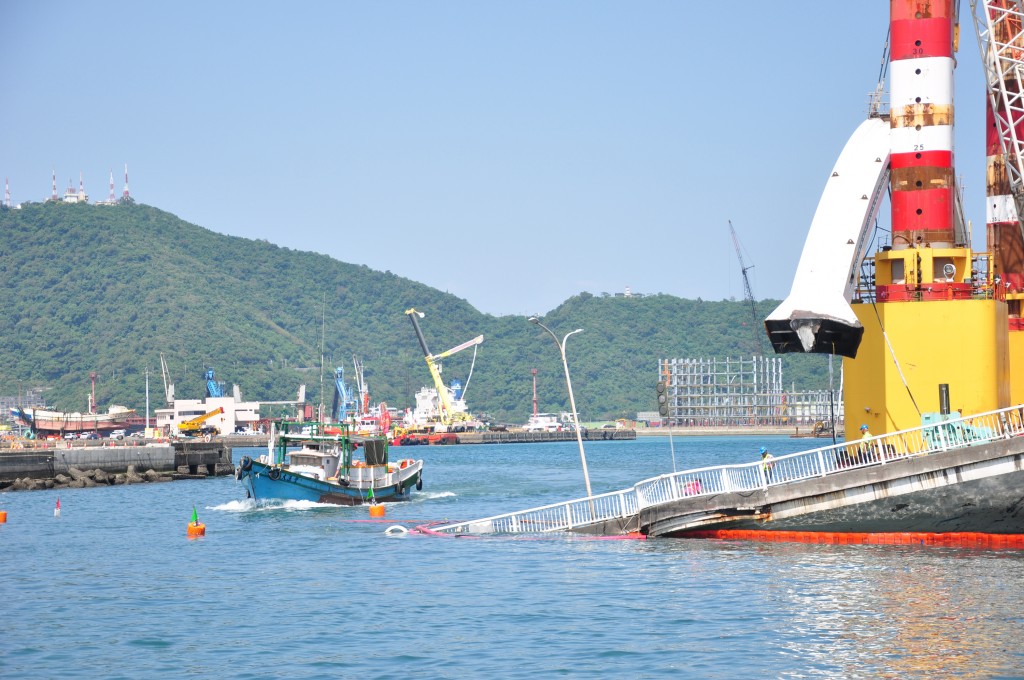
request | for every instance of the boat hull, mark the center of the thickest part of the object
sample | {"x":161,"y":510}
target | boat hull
{"x":264,"y":482}
{"x":45,"y":420}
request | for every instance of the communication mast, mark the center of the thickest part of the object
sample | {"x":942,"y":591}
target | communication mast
{"x":748,"y":294}
{"x":7,"y":192}
{"x":125,"y":195}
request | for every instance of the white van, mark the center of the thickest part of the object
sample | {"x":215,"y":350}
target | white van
{"x":117,"y":434}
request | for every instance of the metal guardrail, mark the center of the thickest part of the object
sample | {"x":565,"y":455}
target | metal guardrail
{"x":939,"y":433}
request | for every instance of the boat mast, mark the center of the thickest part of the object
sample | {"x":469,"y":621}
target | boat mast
{"x":323,"y":317}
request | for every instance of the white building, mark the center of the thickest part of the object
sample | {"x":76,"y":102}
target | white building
{"x":236,"y":414}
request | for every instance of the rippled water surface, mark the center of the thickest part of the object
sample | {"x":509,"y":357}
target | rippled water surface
{"x":113,"y":588}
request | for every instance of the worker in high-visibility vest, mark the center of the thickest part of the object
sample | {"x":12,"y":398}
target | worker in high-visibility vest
{"x":767,"y":463}
{"x":865,"y":447}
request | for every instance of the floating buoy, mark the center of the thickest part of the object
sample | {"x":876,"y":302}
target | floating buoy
{"x":376,"y":510}
{"x":396,"y":530}
{"x":3,"y":517}
{"x":195,"y":527}
{"x":56,"y":510}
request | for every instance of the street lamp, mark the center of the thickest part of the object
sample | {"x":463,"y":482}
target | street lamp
{"x":572,"y":399}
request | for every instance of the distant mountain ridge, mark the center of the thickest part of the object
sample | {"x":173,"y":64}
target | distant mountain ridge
{"x":107,"y":289}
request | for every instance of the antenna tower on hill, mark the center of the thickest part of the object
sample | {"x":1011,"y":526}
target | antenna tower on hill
{"x":7,"y":192}
{"x":111,"y":197}
{"x":53,"y":197}
{"x":125,"y":195}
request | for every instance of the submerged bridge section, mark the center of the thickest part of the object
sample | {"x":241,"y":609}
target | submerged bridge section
{"x":963,"y":474}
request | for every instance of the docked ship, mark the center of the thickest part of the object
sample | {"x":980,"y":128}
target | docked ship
{"x":42,"y":420}
{"x":543,"y":422}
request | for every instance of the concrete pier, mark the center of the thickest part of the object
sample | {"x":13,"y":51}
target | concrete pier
{"x":564,"y":436}
{"x":47,"y":459}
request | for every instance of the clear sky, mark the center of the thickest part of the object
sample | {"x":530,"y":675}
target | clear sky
{"x":511,"y":153}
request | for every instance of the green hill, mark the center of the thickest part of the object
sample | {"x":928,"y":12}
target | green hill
{"x":108,"y":289}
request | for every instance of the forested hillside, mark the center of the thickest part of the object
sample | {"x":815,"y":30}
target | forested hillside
{"x":108,"y":289}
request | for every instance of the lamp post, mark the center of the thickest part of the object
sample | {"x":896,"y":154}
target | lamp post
{"x":572,"y":399}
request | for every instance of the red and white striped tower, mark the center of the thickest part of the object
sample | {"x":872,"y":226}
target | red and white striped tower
{"x":921,"y":103}
{"x":53,"y":196}
{"x":7,"y":192}
{"x":534,"y":371}
{"x":111,"y":198}
{"x":125,"y":194}
{"x":81,"y":185}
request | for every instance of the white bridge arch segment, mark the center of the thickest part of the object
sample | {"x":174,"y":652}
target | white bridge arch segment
{"x":817,"y":317}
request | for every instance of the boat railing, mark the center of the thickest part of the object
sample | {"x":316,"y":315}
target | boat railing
{"x":939,"y":433}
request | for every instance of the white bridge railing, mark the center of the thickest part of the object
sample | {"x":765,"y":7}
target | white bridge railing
{"x":941,"y":434}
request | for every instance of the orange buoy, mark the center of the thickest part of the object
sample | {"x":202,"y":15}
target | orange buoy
{"x":376,"y":510}
{"x":3,"y":517}
{"x":195,"y":527}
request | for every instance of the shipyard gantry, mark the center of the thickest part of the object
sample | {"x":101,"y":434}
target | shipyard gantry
{"x":741,"y":392}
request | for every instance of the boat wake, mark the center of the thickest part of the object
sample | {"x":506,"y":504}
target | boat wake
{"x":431,"y":495}
{"x":249,"y":505}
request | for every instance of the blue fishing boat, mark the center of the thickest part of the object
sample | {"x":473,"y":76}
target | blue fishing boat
{"x":317,"y":462}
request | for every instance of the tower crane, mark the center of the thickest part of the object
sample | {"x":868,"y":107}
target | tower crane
{"x":748,"y":294}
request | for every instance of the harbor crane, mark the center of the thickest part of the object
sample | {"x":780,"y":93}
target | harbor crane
{"x":168,"y":383}
{"x":748,"y":293}
{"x":343,"y":399}
{"x":447,"y":412}
{"x":213,"y":388}
{"x":1001,"y":40}
{"x":361,"y":397}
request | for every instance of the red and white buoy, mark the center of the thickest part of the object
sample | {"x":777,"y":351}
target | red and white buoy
{"x":56,"y":510}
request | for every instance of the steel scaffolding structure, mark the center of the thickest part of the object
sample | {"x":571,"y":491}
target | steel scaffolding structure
{"x":740,"y":392}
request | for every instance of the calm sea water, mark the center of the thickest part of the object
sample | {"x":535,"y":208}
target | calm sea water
{"x":114,"y":589}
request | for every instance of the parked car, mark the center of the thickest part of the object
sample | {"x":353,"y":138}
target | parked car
{"x":89,"y":435}
{"x":70,"y":435}
{"x":117,"y":434}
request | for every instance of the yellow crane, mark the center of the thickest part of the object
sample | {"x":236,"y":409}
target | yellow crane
{"x":447,"y":414}
{"x":195,"y":426}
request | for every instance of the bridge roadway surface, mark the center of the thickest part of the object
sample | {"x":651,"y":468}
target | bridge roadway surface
{"x":965,"y":474}
{"x":975,"y":489}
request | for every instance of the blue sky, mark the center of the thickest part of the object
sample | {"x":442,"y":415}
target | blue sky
{"x":511,"y":153}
